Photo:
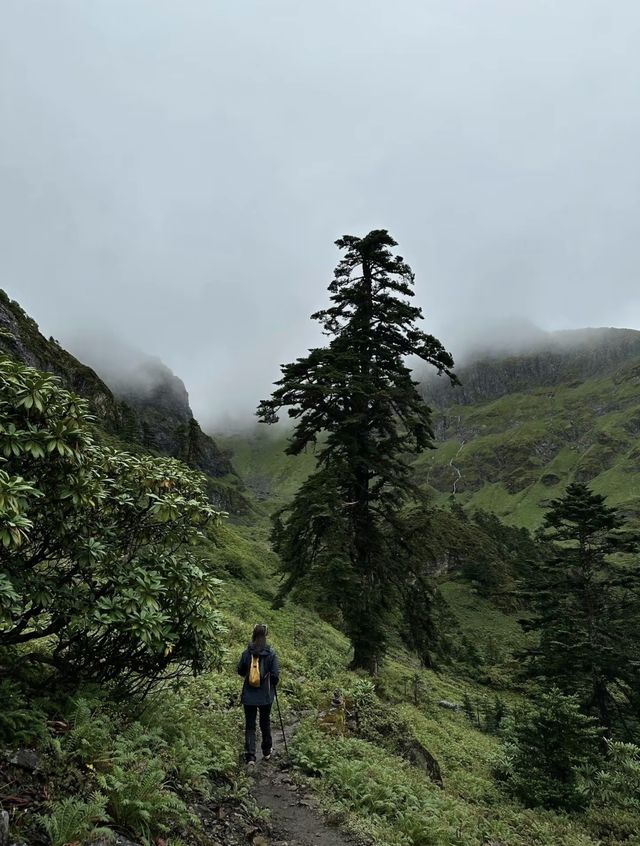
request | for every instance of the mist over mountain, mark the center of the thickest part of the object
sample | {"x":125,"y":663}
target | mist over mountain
{"x":186,"y":196}
{"x":449,"y":576}
{"x":511,"y":363}
{"x":135,"y":397}
{"x":133,"y":374}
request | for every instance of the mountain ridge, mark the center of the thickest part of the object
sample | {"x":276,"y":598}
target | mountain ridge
{"x":565,"y":355}
{"x":527,"y":425}
{"x":159,"y":420}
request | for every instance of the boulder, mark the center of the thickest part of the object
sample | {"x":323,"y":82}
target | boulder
{"x":414,"y":752}
{"x":450,"y":706}
{"x":26,"y":759}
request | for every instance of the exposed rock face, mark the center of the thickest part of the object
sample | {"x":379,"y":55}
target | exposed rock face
{"x":21,"y":338}
{"x":149,"y":406}
{"x":162,"y":418}
{"x":561,"y":358}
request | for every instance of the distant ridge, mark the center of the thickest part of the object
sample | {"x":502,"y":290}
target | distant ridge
{"x":555,"y":358}
{"x":522,"y":426}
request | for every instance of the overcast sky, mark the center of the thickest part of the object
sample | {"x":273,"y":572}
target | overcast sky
{"x":173,"y":173}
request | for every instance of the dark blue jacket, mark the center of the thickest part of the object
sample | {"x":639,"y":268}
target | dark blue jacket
{"x":269,"y":673}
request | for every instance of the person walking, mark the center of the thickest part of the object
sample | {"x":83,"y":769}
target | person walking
{"x":259,"y":667}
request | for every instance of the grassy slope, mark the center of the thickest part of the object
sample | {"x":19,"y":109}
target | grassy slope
{"x":195,"y":733}
{"x":518,"y":452}
{"x":523,"y":436}
{"x":513,"y":454}
{"x":533,"y":435}
{"x":349,"y":770}
{"x":261,"y":462}
{"x":360,"y":779}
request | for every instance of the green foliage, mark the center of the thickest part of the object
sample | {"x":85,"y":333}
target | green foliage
{"x":311,"y":751}
{"x":342,"y":532}
{"x":180,"y":745}
{"x":74,"y":820}
{"x":486,"y":715}
{"x":614,"y":791}
{"x":469,"y":709}
{"x":199,"y":730}
{"x":94,"y":551}
{"x":546,"y":749}
{"x":495,"y":715}
{"x":193,"y":733}
{"x":91,"y":735}
{"x":137,"y":798}
{"x":477,"y":546}
{"x":392,"y":804}
{"x":482,"y":637}
{"x":20,"y":721}
{"x":147,"y":762}
{"x":585,"y":601}
{"x":616,"y":784}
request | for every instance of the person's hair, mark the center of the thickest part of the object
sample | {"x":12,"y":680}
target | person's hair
{"x":259,"y":636}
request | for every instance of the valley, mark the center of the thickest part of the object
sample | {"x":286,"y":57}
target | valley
{"x":514,"y":452}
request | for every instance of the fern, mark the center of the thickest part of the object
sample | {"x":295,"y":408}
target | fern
{"x":74,"y":820}
{"x":138,"y":798}
{"x":89,"y":739}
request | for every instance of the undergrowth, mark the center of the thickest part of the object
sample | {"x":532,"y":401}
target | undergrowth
{"x":139,"y":767}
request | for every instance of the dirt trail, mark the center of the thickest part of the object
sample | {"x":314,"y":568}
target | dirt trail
{"x":295,"y":820}
{"x":295,"y":817}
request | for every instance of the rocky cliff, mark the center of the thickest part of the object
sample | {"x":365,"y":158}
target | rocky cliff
{"x":521,"y":427}
{"x":21,"y":338}
{"x":148,"y":406}
{"x":556,"y":358}
{"x":159,"y":416}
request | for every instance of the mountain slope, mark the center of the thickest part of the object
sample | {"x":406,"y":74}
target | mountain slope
{"x":522,"y":427}
{"x":371,"y":762}
{"x":259,"y":457}
{"x":148,"y":408}
{"x":555,"y":358}
{"x":517,"y":431}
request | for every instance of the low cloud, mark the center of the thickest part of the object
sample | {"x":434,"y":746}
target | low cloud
{"x":174,"y":175}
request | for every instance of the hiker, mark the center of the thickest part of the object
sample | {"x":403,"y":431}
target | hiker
{"x":259,"y":667}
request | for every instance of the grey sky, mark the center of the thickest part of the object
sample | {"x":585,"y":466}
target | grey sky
{"x":174,"y":172}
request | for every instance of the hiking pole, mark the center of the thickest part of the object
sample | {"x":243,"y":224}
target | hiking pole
{"x":284,"y":736}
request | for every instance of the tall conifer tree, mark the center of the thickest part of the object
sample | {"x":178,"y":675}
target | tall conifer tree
{"x":342,"y":536}
{"x":585,"y":597}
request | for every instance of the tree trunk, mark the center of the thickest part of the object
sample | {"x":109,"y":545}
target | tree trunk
{"x":601,"y":701}
{"x":365,"y":655}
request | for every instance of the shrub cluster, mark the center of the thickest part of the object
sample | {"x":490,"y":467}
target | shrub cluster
{"x":96,"y":545}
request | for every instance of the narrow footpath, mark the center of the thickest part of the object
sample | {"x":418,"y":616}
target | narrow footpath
{"x":296,"y":819}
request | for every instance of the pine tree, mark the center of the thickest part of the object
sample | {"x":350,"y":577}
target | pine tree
{"x":546,"y":748}
{"x":584,"y":597}
{"x":342,"y":535}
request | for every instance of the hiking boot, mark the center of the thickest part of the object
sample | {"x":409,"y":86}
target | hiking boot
{"x":266,"y":755}
{"x":251,"y":764}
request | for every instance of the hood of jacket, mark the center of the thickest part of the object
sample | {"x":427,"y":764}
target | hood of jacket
{"x":253,"y":650}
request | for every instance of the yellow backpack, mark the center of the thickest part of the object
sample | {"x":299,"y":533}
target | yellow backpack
{"x":254,"y":672}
